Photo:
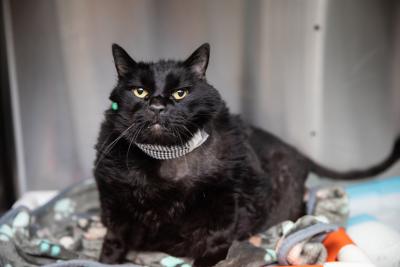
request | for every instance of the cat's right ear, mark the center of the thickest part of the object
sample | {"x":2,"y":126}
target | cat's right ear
{"x":123,"y":62}
{"x":198,"y":60}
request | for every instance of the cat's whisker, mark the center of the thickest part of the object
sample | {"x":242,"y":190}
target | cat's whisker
{"x":133,"y":140}
{"x":111,"y":145}
{"x":180,"y":138}
{"x":183,"y":127}
{"x":127,"y":153}
{"x":137,"y":134}
{"x":192,"y":123}
{"x":186,"y":129}
{"x":105,"y":142}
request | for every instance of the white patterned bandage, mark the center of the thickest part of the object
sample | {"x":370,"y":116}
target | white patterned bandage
{"x":172,"y":152}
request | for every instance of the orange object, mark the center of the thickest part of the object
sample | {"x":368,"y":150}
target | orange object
{"x":334,"y":242}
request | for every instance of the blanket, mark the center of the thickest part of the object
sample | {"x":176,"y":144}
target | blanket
{"x":66,"y":231}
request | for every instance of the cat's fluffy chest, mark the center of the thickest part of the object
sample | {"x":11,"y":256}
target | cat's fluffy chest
{"x":191,"y":167}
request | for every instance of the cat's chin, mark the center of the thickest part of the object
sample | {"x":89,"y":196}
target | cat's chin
{"x":156,"y":129}
{"x":157,"y":134}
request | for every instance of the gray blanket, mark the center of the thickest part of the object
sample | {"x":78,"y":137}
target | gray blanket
{"x":67,"y":231}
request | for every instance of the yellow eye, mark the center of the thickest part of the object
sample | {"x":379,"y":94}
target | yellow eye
{"x":140,"y":92}
{"x":180,"y":94}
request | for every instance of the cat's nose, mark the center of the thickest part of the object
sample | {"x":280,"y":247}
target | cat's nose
{"x":157,"y":107}
{"x":157,"y":104}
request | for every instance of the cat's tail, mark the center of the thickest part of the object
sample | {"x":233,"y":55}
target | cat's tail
{"x":358,"y":174}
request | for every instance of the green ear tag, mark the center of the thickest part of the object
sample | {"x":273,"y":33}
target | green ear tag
{"x":114,"y":106}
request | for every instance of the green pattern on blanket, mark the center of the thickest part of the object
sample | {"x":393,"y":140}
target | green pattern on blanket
{"x":68,"y":227}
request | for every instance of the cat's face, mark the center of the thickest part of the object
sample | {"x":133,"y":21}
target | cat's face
{"x":164,"y":102}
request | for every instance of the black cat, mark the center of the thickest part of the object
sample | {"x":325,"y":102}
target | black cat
{"x":178,"y":173}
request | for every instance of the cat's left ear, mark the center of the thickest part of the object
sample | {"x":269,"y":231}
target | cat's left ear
{"x":123,"y":62}
{"x":198,"y":60}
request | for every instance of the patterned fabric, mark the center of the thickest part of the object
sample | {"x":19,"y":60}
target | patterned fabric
{"x":67,"y":232}
{"x":172,"y":152}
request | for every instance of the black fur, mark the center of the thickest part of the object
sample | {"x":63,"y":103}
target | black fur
{"x":239,"y":182}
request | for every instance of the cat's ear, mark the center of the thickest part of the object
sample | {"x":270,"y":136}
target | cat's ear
{"x":198,"y":60}
{"x":123,"y":62}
